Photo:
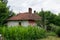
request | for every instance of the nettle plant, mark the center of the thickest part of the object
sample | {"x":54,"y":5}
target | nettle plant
{"x":22,"y":33}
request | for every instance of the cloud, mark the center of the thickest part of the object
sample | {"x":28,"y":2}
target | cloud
{"x":23,"y":5}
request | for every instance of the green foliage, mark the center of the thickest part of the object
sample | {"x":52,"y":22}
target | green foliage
{"x":58,"y":31}
{"x":57,"y":22}
{"x":4,"y":12}
{"x":51,"y":33}
{"x":50,"y":18}
{"x":43,"y":19}
{"x":22,"y":33}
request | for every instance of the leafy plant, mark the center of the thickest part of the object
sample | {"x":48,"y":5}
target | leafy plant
{"x":58,"y":31}
{"x":23,"y":33}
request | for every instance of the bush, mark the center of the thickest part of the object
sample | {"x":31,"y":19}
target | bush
{"x":51,"y":34}
{"x":23,"y":33}
{"x":52,"y":27}
{"x":58,"y":31}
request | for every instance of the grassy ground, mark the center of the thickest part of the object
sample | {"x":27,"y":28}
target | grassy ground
{"x":51,"y":38}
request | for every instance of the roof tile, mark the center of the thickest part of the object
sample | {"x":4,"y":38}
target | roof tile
{"x":25,"y":16}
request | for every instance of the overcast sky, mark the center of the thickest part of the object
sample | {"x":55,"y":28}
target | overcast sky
{"x":23,"y":5}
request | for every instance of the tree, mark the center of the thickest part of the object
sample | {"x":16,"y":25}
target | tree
{"x":57,"y":21}
{"x":43,"y":19}
{"x":4,"y":11}
{"x":47,"y":18}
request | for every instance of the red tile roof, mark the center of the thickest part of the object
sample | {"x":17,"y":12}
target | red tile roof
{"x":25,"y":16}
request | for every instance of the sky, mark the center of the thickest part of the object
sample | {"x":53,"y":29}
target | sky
{"x":23,"y":5}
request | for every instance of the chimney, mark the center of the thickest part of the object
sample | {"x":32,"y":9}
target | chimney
{"x":30,"y":10}
{"x":34,"y":12}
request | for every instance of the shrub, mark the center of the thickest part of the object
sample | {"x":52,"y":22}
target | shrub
{"x":52,"y":27}
{"x":23,"y":33}
{"x":51,"y":34}
{"x":58,"y":31}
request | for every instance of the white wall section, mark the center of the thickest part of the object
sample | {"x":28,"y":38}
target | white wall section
{"x":13,"y":23}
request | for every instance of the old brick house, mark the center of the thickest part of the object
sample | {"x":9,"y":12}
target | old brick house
{"x":24,"y":19}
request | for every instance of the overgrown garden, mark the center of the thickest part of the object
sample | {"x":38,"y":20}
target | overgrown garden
{"x":49,"y":25}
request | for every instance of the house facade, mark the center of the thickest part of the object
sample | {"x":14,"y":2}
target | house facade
{"x":24,"y":19}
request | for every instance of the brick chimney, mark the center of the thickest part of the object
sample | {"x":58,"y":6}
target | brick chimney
{"x":34,"y":12}
{"x":30,"y":10}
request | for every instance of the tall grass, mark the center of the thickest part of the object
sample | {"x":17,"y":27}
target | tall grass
{"x":22,"y":33}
